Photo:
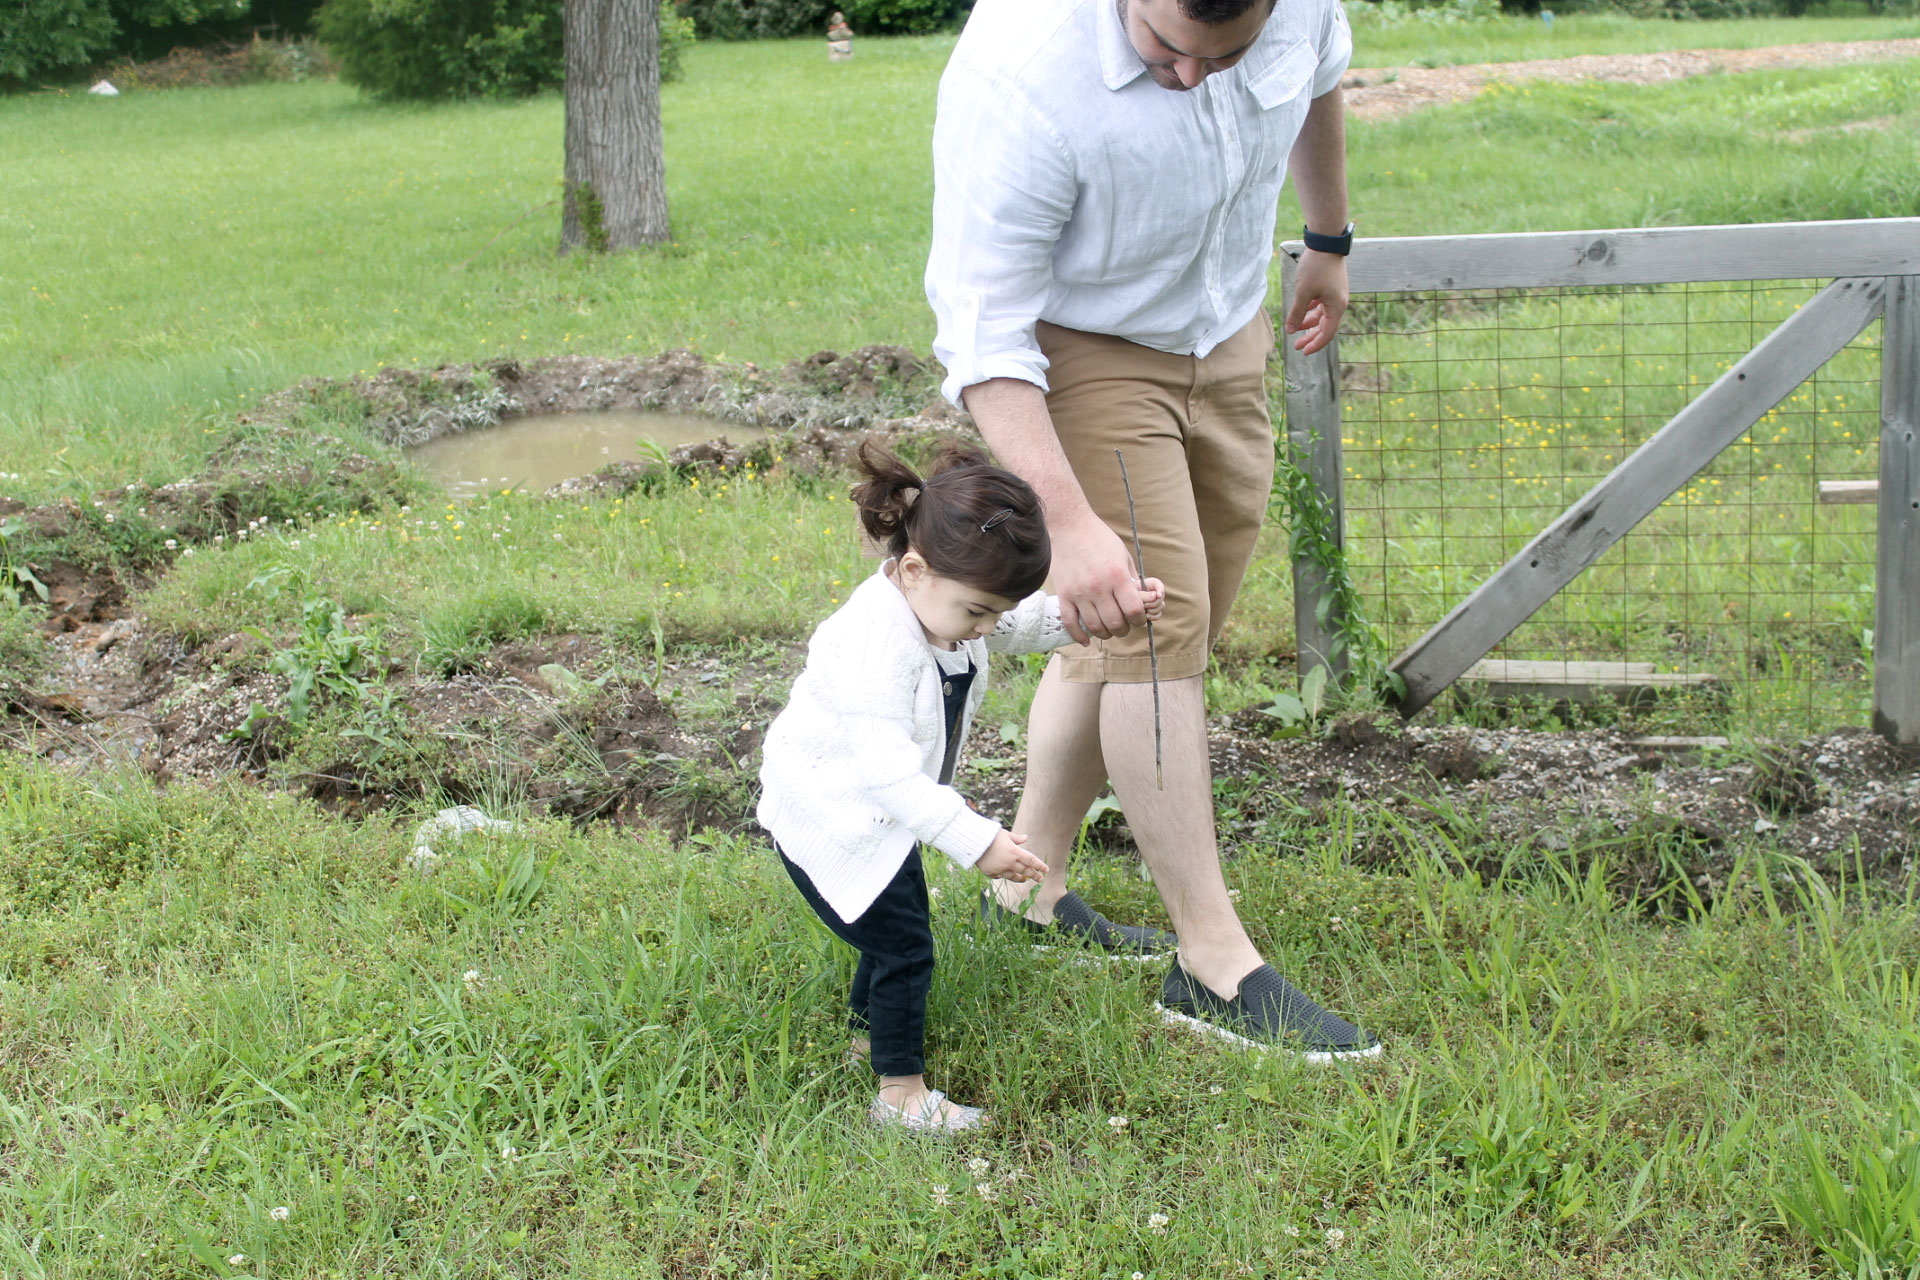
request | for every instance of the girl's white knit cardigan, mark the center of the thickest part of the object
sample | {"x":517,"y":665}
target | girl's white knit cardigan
{"x":849,"y":770}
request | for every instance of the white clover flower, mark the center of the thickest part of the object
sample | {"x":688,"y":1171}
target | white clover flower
{"x":472,"y":978}
{"x":294,"y":542}
{"x":279,"y":1213}
{"x":1335,"y":1237}
{"x":1157,"y":1223}
{"x":986,"y":1191}
{"x":940,"y":1196}
{"x":1234,"y":894}
{"x":978,"y":1165}
{"x":109,"y":517}
{"x":172,"y":545}
{"x":237,"y":1260}
{"x":508,"y":1151}
{"x":219,"y":537}
{"x":1215,"y":1090}
{"x":1138,"y":1275}
{"x":187,"y":552}
{"x":1291,"y":1230}
{"x":1118,"y":1122}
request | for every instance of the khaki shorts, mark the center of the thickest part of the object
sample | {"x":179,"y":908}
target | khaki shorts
{"x":1199,"y":450}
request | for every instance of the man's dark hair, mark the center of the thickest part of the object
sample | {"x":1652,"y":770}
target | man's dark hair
{"x":1215,"y":12}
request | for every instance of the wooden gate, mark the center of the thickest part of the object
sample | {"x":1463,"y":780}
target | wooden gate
{"x":1874,"y":266}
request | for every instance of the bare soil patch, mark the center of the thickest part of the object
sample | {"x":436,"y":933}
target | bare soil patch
{"x":1381,"y":92}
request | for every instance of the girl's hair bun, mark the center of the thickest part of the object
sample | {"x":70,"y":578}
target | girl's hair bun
{"x":969,"y":520}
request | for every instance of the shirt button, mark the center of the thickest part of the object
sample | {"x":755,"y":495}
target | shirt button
{"x":947,"y":688}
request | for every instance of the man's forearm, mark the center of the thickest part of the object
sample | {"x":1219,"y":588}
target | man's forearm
{"x":1319,"y":164}
{"x":1013,"y":419}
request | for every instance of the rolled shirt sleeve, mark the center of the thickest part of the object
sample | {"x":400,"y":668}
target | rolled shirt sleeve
{"x":1003,"y":190}
{"x":1335,"y":47}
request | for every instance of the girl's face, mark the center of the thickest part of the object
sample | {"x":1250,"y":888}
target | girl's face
{"x":949,"y":611}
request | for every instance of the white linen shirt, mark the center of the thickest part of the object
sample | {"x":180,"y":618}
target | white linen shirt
{"x":849,"y":771}
{"x":1070,"y":187}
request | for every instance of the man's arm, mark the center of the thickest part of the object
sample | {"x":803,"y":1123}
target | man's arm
{"x":1092,"y":572}
{"x":1319,"y":167}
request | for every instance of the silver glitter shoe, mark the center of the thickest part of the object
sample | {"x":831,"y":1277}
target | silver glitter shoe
{"x":928,"y":1116}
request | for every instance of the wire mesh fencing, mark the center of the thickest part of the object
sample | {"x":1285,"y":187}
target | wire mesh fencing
{"x":1471,"y":420}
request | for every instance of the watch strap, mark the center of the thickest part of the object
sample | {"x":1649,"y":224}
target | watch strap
{"x":1341,"y":244}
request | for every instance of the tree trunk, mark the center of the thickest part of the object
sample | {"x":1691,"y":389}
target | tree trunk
{"x":616,"y":190}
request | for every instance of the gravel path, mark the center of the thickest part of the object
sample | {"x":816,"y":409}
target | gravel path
{"x":1372,"y":95}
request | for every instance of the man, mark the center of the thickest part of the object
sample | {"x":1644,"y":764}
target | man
{"x":1107,"y":175}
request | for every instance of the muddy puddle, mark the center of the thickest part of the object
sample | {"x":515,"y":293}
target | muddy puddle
{"x":540,"y":450}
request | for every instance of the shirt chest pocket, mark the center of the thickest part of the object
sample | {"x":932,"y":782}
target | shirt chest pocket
{"x":1282,"y":91}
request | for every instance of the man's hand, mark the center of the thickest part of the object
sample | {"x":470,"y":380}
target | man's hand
{"x":1319,"y":300}
{"x":1006,"y":860}
{"x":1093,"y":576}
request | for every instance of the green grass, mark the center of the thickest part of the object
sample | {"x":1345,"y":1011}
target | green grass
{"x":1524,"y":38}
{"x":172,"y":256}
{"x":217,"y":1002}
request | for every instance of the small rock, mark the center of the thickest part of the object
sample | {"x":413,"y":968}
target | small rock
{"x":1761,"y":826}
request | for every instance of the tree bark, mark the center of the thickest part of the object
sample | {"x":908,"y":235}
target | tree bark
{"x":616,"y":190}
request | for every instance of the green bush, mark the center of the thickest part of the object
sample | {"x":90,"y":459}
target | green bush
{"x":775,"y":19}
{"x":38,"y":37}
{"x":758,"y":19}
{"x":905,"y":17}
{"x":426,"y":49}
{"x":423,"y":49}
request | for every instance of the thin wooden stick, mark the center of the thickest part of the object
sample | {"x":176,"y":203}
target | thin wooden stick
{"x":1153,"y":654}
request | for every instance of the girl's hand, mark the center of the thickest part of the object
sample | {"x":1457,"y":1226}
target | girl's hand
{"x":1006,"y":860}
{"x":1154,"y":597}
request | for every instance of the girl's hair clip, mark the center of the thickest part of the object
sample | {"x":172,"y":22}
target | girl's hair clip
{"x":1000,"y":517}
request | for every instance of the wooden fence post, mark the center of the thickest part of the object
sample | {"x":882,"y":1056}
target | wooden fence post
{"x":1313,"y":438}
{"x":1896,"y":607}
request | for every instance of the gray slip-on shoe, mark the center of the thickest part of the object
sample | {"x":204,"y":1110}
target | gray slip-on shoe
{"x":1269,"y":1014}
{"x":1077,"y":925}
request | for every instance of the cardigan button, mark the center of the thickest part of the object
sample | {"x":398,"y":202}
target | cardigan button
{"x":947,"y":688}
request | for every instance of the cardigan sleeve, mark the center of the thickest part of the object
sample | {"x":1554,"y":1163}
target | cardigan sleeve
{"x":875,"y":697}
{"x":1032,"y":626}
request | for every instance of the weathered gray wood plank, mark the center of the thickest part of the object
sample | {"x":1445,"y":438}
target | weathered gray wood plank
{"x":1846,"y":493}
{"x":1896,"y":606}
{"x":1313,"y":437}
{"x":1556,"y":680}
{"x":1647,"y":477}
{"x":1651,"y":255}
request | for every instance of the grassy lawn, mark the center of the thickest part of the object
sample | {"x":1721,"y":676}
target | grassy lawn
{"x":1520,"y":38}
{"x":583,"y":1050}
{"x":174,"y":255}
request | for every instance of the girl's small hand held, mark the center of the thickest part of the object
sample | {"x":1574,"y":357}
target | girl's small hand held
{"x":1154,"y":596}
{"x":1006,"y":860}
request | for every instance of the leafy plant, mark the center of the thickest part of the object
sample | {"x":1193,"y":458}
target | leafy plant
{"x":1299,"y":714}
{"x":1314,"y":538}
{"x":17,"y":577}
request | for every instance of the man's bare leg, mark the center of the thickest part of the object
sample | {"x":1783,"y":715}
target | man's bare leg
{"x":1174,"y":824}
{"x":1064,"y":775}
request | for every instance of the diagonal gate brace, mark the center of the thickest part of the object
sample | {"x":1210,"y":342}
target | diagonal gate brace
{"x":1647,"y":477}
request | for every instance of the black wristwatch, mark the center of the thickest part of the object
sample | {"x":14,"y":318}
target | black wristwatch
{"x":1341,"y":244}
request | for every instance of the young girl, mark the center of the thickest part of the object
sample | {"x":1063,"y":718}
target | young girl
{"x":857,"y":770}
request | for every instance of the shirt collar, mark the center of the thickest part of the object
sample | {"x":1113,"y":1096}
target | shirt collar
{"x":1120,"y":63}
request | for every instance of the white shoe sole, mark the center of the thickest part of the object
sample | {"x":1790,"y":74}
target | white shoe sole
{"x":1233,"y":1039}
